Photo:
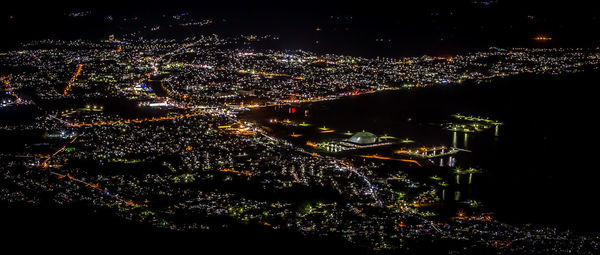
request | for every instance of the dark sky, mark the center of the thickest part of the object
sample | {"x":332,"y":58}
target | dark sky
{"x":382,"y":27}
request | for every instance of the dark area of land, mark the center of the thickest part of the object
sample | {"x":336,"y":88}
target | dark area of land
{"x":81,"y":229}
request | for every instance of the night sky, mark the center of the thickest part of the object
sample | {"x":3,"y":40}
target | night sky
{"x":373,"y":28}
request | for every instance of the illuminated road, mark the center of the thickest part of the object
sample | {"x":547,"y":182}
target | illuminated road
{"x":68,"y":88}
{"x":371,"y":187}
{"x":228,"y":170}
{"x":45,"y":164}
{"x":372,"y":191}
{"x":156,"y":71}
{"x":93,"y":186}
{"x":135,"y":121}
{"x":388,"y":158}
{"x":59,"y":119}
{"x":6,"y":81}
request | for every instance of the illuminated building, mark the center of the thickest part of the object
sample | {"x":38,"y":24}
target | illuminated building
{"x":363,"y":138}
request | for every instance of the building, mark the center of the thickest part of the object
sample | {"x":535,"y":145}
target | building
{"x":359,"y":140}
{"x":363,"y":138}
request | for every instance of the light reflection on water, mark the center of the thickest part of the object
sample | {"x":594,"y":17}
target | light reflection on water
{"x":529,"y":173}
{"x":454,"y":139}
{"x":427,"y":134}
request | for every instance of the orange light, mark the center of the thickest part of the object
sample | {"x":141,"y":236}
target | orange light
{"x":542,"y":38}
{"x":228,"y":170}
{"x":68,"y":88}
{"x":388,"y":158}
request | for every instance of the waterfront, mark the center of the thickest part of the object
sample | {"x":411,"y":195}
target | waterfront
{"x":164,"y":126}
{"x":528,"y":173}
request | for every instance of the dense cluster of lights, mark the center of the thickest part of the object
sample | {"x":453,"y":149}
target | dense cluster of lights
{"x":185,"y":138}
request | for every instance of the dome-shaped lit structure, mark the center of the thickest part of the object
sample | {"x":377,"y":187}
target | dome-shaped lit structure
{"x":363,"y":138}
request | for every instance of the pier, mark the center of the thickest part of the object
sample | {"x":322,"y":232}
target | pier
{"x":429,"y":152}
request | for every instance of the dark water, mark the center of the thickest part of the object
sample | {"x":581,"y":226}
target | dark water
{"x":540,"y":169}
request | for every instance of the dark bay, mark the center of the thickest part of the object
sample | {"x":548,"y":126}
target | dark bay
{"x":538,"y":170}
